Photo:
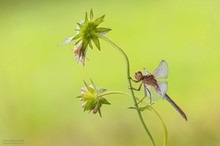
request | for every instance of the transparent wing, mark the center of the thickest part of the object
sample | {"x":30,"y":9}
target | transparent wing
{"x":146,"y":72}
{"x":152,"y":94}
{"x":147,"y":90}
{"x":162,"y":88}
{"x":161,"y":71}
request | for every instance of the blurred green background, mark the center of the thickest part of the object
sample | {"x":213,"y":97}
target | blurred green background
{"x":39,"y":80}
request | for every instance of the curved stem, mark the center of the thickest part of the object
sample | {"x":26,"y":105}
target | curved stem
{"x":130,"y":85}
{"x":113,"y":92}
{"x":164,"y":126}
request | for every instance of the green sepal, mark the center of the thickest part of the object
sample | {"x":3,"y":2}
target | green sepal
{"x":93,"y":84}
{"x":86,"y":19}
{"x":96,"y":41}
{"x":98,"y":20}
{"x":89,"y":105}
{"x":77,"y":41}
{"x":102,"y":29}
{"x":99,"y":111}
{"x":95,"y":108}
{"x":76,"y":37}
{"x":81,"y":26}
{"x":89,"y":88}
{"x":84,"y":45}
{"x":101,"y":90}
{"x":79,"y":96}
{"x":104,"y":101}
{"x":91,"y":15}
{"x":90,"y":44}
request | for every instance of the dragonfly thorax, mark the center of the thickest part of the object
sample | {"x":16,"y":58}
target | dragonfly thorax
{"x":150,"y":80}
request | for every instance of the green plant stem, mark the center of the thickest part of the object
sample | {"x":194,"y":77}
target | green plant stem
{"x":113,"y":92}
{"x":164,"y":126}
{"x":130,"y":85}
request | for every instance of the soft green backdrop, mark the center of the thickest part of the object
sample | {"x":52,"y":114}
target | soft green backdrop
{"x":39,"y":79}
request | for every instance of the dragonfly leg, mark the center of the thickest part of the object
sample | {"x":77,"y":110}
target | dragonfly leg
{"x":136,"y":81}
{"x":141,"y":100}
{"x":149,"y":95}
{"x":139,"y":88}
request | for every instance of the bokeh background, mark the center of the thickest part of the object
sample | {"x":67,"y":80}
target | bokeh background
{"x":39,"y":79}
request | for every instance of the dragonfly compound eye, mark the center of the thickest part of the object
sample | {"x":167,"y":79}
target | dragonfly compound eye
{"x":138,"y":75}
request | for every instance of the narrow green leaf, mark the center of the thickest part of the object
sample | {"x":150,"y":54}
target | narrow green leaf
{"x":90,"y":104}
{"x":89,"y":88}
{"x":91,"y":15}
{"x":98,"y":20}
{"x":102,"y":29}
{"x":86,"y":19}
{"x":93,"y":84}
{"x":76,"y":37}
{"x":99,"y":111}
{"x":77,"y":41}
{"x":90,"y":44}
{"x":84,"y":46}
{"x":80,"y":25}
{"x":87,"y":106}
{"x":96,"y":41}
{"x":79,"y":96}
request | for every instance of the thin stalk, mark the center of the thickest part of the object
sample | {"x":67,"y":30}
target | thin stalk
{"x":113,"y":92}
{"x":130,"y":85}
{"x":164,"y":126}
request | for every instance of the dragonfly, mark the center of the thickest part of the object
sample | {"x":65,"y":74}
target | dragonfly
{"x":151,"y":82}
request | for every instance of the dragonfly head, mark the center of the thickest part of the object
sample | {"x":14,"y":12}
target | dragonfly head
{"x":138,"y":76}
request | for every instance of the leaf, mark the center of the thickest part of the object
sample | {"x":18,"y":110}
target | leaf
{"x":96,"y":41}
{"x":98,"y":21}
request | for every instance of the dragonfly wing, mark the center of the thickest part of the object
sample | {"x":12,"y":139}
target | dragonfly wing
{"x":147,"y":91}
{"x":162,"y":88}
{"x":161,"y":71}
{"x":146,"y":72}
{"x":152,"y":94}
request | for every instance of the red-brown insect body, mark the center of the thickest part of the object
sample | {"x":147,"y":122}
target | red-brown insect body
{"x":147,"y":79}
{"x":150,"y":80}
{"x":161,"y":87}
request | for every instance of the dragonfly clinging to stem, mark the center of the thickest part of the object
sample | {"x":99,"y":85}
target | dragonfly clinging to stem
{"x":150,"y":81}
